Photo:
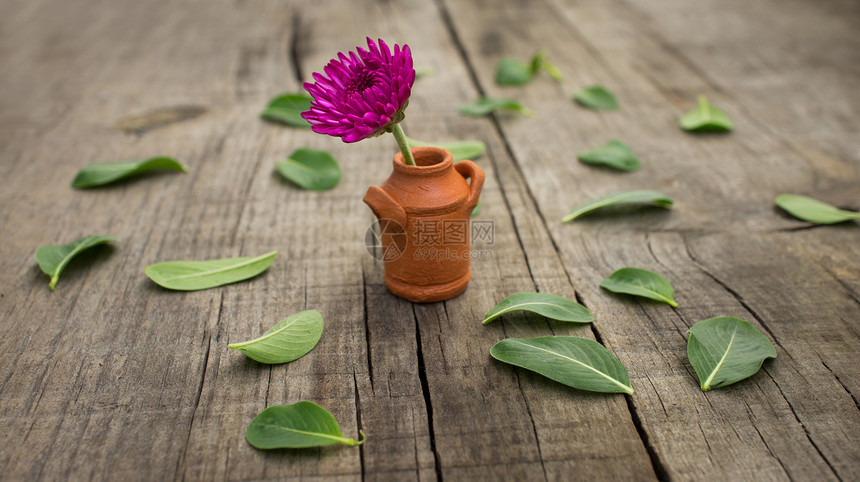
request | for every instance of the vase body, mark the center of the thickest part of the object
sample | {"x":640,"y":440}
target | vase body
{"x":423,"y":213}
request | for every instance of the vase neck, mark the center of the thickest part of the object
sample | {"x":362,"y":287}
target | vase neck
{"x":429,"y":161}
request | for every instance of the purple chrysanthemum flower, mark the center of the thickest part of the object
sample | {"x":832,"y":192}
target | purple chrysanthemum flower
{"x":361,"y":94}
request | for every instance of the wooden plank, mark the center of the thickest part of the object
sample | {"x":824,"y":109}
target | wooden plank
{"x":156,"y":392}
{"x":112,"y":377}
{"x":483,"y":412}
{"x":592,"y":44}
{"x":215,"y":392}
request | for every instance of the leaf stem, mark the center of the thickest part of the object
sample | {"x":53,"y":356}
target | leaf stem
{"x":400,"y":136}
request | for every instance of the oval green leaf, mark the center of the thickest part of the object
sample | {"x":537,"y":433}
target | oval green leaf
{"x":511,"y":71}
{"x":421,"y":72}
{"x":726,"y":350}
{"x":300,"y":425}
{"x":619,"y":198}
{"x":813,"y":210}
{"x":614,"y":154}
{"x":477,"y":209}
{"x":488,"y":105}
{"x":311,"y":169}
{"x":289,"y":340}
{"x":596,"y":97}
{"x":460,"y":150}
{"x":545,"y":304}
{"x":577,"y":362}
{"x":53,"y":259}
{"x":96,"y":175}
{"x":706,"y":117}
{"x":640,"y":282}
{"x":540,"y":62}
{"x":287,"y":109}
{"x":201,"y":275}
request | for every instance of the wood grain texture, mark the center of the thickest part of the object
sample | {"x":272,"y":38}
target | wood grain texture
{"x":720,"y":245}
{"x":112,"y":377}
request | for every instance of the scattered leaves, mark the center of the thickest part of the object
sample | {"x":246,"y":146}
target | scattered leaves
{"x":488,"y":105}
{"x":614,"y":154}
{"x":551,"y":306}
{"x":311,"y":169}
{"x":300,"y":425}
{"x":616,"y":199}
{"x":53,"y":259}
{"x":96,"y":175}
{"x":726,"y":350}
{"x":540,"y":62}
{"x":596,"y":97}
{"x":577,"y":362}
{"x":511,"y":71}
{"x":421,"y":72}
{"x":201,"y":275}
{"x":289,"y":340}
{"x":813,"y":210}
{"x":460,"y":150}
{"x":640,"y":282}
{"x":287,"y":109}
{"x":477,"y":210}
{"x":706,"y":118}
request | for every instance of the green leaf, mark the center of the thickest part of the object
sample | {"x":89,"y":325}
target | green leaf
{"x":460,"y":150}
{"x":54,"y":258}
{"x":201,"y":275}
{"x":421,"y":72}
{"x":596,"y":97}
{"x":511,"y":71}
{"x":311,"y":169}
{"x":616,"y":199}
{"x":105,"y":173}
{"x":488,"y":105}
{"x":614,"y":154}
{"x":813,"y":210}
{"x":287,"y":109}
{"x":289,"y":340}
{"x":548,"y":305}
{"x":540,"y":62}
{"x":577,"y":362}
{"x":640,"y":282}
{"x":726,"y":350}
{"x":477,"y":210}
{"x":706,"y":117}
{"x":300,"y":425}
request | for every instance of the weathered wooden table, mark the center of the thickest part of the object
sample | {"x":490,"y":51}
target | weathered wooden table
{"x":111,"y":377}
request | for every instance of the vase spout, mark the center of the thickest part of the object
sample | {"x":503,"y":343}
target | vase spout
{"x":384,"y":206}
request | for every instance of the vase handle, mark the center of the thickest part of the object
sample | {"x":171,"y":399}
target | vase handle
{"x":475,"y":174}
{"x":384,"y":206}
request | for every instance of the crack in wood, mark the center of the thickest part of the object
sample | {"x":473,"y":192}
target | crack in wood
{"x":761,"y":437}
{"x":844,"y":387}
{"x":803,"y":426}
{"x":180,"y":462}
{"x":295,"y":56}
{"x":849,"y":291}
{"x":367,"y":350}
{"x":358,"y":422}
{"x":737,"y":296}
{"x":425,"y":392}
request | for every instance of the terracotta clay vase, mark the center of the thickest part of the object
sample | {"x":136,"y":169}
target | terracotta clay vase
{"x":423,"y":214}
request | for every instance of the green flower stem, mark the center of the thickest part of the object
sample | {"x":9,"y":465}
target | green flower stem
{"x":404,"y":145}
